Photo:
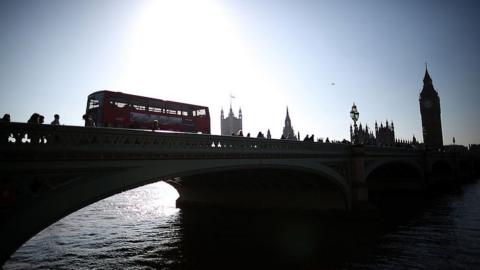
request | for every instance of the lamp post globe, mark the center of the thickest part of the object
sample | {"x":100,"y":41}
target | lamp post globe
{"x":354,"y":114}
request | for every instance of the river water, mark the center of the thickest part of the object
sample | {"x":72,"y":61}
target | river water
{"x":141,"y":229}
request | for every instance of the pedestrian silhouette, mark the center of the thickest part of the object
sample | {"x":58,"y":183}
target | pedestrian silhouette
{"x":88,"y":120}
{"x":155,"y":125}
{"x":34,"y":119}
{"x":56,"y":120}
{"x":5,"y":118}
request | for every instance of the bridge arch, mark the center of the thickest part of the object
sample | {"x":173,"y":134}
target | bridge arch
{"x":408,"y":163}
{"x":395,"y":175}
{"x":86,"y":190}
{"x":394,"y":184}
{"x":214,"y":168}
{"x":465,"y":169}
{"x":252,"y":180}
{"x":441,"y":171}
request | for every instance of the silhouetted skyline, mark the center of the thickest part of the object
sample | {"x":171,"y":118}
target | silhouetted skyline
{"x":316,"y":57}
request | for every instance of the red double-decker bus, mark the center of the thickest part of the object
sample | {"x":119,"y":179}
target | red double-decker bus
{"x":117,"y":109}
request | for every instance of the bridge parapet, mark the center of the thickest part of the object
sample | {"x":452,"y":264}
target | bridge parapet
{"x":17,"y":141}
{"x":391,"y":150}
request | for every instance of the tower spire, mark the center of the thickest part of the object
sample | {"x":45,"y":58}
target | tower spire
{"x":427,"y":79}
{"x":287,"y":119}
{"x":430,"y":113}
{"x":288,"y":132}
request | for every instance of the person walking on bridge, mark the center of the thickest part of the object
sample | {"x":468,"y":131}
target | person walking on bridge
{"x":34,"y":119}
{"x":5,"y":118}
{"x":88,"y":120}
{"x":56,"y":120}
{"x":155,"y":125}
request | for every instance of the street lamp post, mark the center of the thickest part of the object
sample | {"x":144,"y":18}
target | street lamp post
{"x":354,"y":114}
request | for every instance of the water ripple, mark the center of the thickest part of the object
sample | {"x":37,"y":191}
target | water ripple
{"x":133,"y":230}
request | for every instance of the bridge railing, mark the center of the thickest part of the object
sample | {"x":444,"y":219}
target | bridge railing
{"x":17,"y":140}
{"x":382,"y":150}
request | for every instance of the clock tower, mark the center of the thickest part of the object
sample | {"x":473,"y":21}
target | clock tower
{"x":430,"y":112}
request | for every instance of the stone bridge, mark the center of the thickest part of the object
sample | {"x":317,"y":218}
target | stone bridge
{"x":48,"y":172}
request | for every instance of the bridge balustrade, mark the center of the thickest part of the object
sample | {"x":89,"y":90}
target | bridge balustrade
{"x":17,"y":140}
{"x":376,"y":151}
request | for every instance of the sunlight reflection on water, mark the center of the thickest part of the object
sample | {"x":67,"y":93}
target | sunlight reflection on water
{"x":141,"y":229}
{"x":154,"y":199}
{"x":105,"y":231}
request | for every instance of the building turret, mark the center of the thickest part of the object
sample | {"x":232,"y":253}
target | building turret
{"x":384,"y":135}
{"x":230,"y":113}
{"x":231,"y":124}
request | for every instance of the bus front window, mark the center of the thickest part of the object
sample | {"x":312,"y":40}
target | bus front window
{"x":93,"y":103}
{"x":94,"y":106}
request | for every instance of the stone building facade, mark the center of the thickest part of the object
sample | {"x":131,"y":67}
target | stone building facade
{"x":231,"y":124}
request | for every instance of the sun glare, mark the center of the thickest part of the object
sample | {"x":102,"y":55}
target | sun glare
{"x":183,"y":46}
{"x":191,"y":51}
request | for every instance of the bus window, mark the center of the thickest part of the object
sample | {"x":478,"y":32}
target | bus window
{"x":154,"y":109}
{"x":171,"y":109}
{"x":138,"y":105}
{"x":155,"y":106}
{"x":94,"y":101}
{"x":201,"y":112}
{"x":118,"y":102}
{"x":189,"y":111}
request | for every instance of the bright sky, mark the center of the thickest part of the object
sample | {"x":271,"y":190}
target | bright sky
{"x":268,"y":54}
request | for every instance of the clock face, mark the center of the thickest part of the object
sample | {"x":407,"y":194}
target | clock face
{"x":427,"y":103}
